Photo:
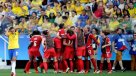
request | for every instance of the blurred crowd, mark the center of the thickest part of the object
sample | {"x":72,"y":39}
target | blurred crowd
{"x":28,"y":15}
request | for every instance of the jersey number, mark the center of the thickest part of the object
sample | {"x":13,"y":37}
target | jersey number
{"x":35,"y":43}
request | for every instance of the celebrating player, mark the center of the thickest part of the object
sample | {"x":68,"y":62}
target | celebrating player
{"x":13,"y":46}
{"x":58,"y":45}
{"x":90,"y":47}
{"x":33,"y":51}
{"x":106,"y":51}
{"x":49,"y":51}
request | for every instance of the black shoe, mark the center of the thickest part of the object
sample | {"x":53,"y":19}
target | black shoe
{"x":114,"y":70}
{"x":123,"y":70}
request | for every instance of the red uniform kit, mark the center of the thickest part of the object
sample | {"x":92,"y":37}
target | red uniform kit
{"x":34,"y":49}
{"x":106,"y":52}
{"x":80,"y":52}
{"x":49,"y":52}
{"x":69,"y":52}
{"x":91,"y":51}
{"x":34,"y":52}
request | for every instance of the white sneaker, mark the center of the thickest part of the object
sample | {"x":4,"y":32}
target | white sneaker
{"x":81,"y":72}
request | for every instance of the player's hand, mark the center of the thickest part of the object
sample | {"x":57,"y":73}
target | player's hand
{"x":103,"y":46}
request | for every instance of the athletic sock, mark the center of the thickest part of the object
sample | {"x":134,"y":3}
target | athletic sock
{"x":94,"y":64}
{"x":109,"y":66}
{"x":80,"y":65}
{"x":13,"y":65}
{"x":45,"y":66}
{"x":35,"y":66}
{"x":101,"y":66}
{"x":56,"y":66}
{"x":71,"y":65}
{"x":27,"y":67}
{"x":87,"y":65}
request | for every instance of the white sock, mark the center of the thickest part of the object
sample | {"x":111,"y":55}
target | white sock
{"x":13,"y":66}
{"x":113,"y":67}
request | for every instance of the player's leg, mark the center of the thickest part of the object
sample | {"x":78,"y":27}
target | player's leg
{"x":101,"y":64}
{"x":109,"y":66}
{"x":13,"y":56}
{"x":93,"y":60}
{"x":53,"y":53}
{"x":27,"y":67}
{"x":71,"y":65}
{"x":35,"y":65}
{"x":87,"y":64}
{"x":132,"y":62}
{"x":45,"y":64}
{"x":80,"y":62}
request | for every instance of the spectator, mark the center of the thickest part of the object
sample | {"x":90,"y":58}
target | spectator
{"x":122,"y":4}
{"x":23,"y":25}
{"x":66,"y":21}
{"x":52,"y":17}
{"x":46,"y":24}
{"x":74,"y":17}
{"x":58,"y":18}
{"x":132,"y":10}
{"x":119,"y":13}
{"x":78,"y":7}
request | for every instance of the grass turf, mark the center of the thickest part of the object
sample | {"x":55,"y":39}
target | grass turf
{"x":51,"y":73}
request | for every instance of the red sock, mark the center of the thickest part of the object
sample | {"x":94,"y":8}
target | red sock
{"x":35,"y":65}
{"x":71,"y":65}
{"x":109,"y":66}
{"x":45,"y":66}
{"x":28,"y":66}
{"x":87,"y":66}
{"x":94,"y":64}
{"x":65,"y":64}
{"x":41,"y":65}
{"x":60,"y":65}
{"x":56,"y":66}
{"x":101,"y":66}
{"x":80,"y":64}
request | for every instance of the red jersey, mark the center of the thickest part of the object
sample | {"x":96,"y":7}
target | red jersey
{"x":61,"y":32}
{"x":91,"y":37}
{"x":36,"y":40}
{"x":107,"y":49}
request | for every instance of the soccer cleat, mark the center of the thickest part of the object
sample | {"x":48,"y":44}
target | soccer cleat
{"x":55,"y":72}
{"x":123,"y":70}
{"x":13,"y":74}
{"x":97,"y":72}
{"x":67,"y":70}
{"x":86,"y":72}
{"x":81,"y":72}
{"x":109,"y":72}
{"x":60,"y":71}
{"x":27,"y":72}
{"x":71,"y":71}
{"x":114,"y":70}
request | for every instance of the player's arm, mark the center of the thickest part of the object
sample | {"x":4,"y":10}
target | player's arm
{"x":94,"y":38}
{"x":30,"y":45}
{"x":109,"y":43}
{"x":58,"y":36}
{"x":71,"y":37}
{"x":7,"y":32}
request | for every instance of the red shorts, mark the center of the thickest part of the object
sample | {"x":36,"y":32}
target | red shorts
{"x":91,"y":52}
{"x":50,"y":53}
{"x":57,"y":42}
{"x":59,"y":54}
{"x":35,"y":53}
{"x":106,"y":55}
{"x":86,"y":53}
{"x":80,"y":51}
{"x":68,"y":53}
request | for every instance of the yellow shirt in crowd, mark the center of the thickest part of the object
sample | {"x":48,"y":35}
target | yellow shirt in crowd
{"x":132,"y":12}
{"x":113,"y":25}
{"x":13,"y":40}
{"x":84,"y":1}
{"x":79,"y":9}
{"x":50,"y":11}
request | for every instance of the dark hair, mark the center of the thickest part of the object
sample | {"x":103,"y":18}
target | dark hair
{"x":64,"y":17}
{"x":67,"y":13}
{"x":50,"y":17}
{"x":35,"y":13}
{"x":45,"y":32}
{"x":36,"y":32}
{"x":97,"y":31}
{"x":70,"y":32}
{"x":120,"y":29}
{"x":128,"y":14}
{"x":61,"y":26}
{"x":106,"y":32}
{"x":11,"y":28}
{"x":74,"y":12}
{"x":119,"y":14}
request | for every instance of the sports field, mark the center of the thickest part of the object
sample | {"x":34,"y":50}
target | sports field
{"x":51,"y":73}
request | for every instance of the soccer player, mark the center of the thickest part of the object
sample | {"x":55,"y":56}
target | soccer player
{"x":68,"y":54}
{"x":118,"y":46}
{"x":58,"y":41}
{"x":13,"y":46}
{"x":49,"y":51}
{"x":80,"y":52}
{"x":133,"y":52}
{"x":90,"y":47}
{"x":106,"y":51}
{"x":33,"y":51}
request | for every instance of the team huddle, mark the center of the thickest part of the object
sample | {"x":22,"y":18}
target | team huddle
{"x":68,"y":48}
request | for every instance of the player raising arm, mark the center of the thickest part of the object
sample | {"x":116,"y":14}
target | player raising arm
{"x":13,"y":46}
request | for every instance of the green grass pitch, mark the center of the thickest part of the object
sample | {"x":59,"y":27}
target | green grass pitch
{"x":51,"y":73}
